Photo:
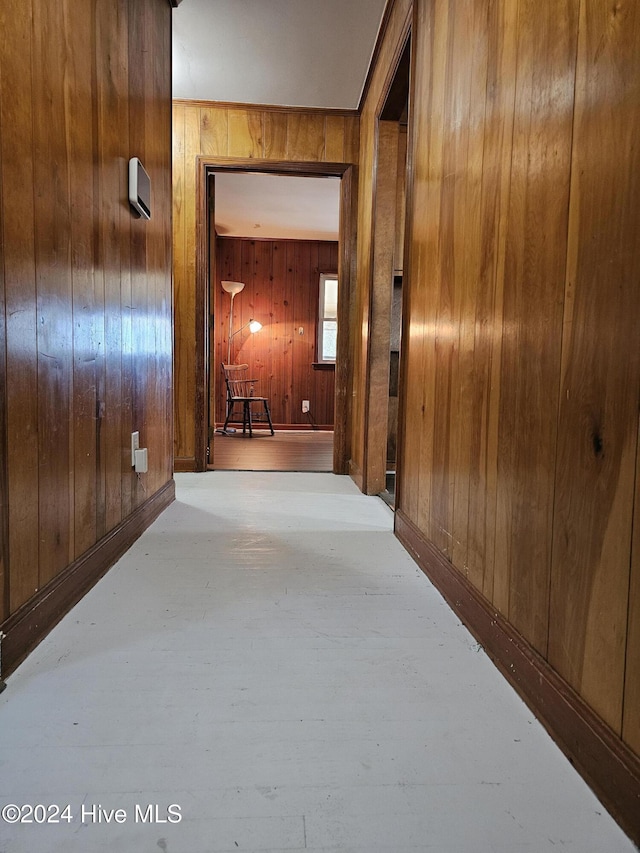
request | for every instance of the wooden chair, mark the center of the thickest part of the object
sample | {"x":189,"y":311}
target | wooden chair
{"x":240,"y":389}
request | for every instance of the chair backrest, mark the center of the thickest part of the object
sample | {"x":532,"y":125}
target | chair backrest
{"x":236,"y":378}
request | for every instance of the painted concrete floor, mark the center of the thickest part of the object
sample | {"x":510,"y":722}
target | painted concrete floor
{"x":270,"y":661}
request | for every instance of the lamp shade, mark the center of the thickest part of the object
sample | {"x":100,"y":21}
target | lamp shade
{"x":232,"y":287}
{"x":254,"y":326}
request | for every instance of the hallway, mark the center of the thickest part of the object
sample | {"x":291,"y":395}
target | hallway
{"x":270,"y":659}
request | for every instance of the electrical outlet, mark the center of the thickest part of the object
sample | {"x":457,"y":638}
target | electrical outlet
{"x":305,"y":407}
{"x":142,"y":460}
{"x":135,"y":444}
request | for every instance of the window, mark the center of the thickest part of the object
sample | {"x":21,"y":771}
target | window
{"x":328,"y":318}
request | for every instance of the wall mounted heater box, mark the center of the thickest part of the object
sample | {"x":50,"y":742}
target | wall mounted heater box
{"x":139,"y":188}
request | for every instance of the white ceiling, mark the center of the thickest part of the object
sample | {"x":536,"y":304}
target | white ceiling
{"x":301,"y":53}
{"x":276,"y":206}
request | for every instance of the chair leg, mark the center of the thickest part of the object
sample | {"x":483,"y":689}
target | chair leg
{"x":248,"y":405}
{"x":226,"y":420}
{"x":244,"y":418}
{"x":268,"y":413}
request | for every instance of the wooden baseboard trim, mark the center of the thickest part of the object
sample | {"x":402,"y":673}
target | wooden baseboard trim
{"x":600,"y":756}
{"x":184,"y":464}
{"x":25,"y":628}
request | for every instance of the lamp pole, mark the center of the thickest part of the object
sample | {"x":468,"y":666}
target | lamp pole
{"x":231,"y":287}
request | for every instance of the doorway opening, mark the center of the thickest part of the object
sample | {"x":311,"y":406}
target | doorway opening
{"x":280,"y":265}
{"x":396,"y":112}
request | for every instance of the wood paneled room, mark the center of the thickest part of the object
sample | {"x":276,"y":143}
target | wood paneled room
{"x":432,"y":641}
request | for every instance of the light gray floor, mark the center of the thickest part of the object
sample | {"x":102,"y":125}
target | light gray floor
{"x":268,"y":658}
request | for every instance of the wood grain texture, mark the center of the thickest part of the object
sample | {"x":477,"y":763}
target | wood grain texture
{"x":16,"y":119}
{"x":608,"y":765}
{"x":243,"y":135}
{"x":599,"y":400}
{"x":536,"y":250}
{"x":287,"y":450}
{"x":281,"y":291}
{"x":519,"y":407}
{"x":54,"y":299}
{"x":389,"y":53}
{"x":384,"y":240}
{"x":87,"y":289}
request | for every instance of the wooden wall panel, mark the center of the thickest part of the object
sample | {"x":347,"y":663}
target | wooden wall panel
{"x":536,"y":241}
{"x":112,"y":267}
{"x":16,"y":120}
{"x":487,"y":350}
{"x":245,"y":133}
{"x":281,"y":291}
{"x":521,"y":370}
{"x":54,"y":299}
{"x":599,"y":399}
{"x":87,"y":330}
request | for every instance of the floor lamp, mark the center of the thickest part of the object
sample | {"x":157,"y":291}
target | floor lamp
{"x":231,"y":287}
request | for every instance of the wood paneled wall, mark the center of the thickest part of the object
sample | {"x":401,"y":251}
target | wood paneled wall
{"x":281,"y":291}
{"x":243,"y":133}
{"x":521,"y":364}
{"x":86,"y":287}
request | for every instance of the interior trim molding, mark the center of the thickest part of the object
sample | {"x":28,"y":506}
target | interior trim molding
{"x":207,"y":166}
{"x":600,"y":756}
{"x":266,"y":108}
{"x":184,"y":464}
{"x":25,"y":628}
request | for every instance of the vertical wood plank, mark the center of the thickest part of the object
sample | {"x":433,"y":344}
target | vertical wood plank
{"x":16,"y":120}
{"x":182,"y":332}
{"x":54,"y":290}
{"x":214,"y":131}
{"x":275,"y":135}
{"x":351,"y":146}
{"x":305,"y":136}
{"x":278,"y":332}
{"x":429,"y":257}
{"x":599,"y":400}
{"x":87,"y":288}
{"x":467,"y":418}
{"x":334,"y":139}
{"x":111,"y":100}
{"x":534,"y":287}
{"x":449,"y":424}
{"x":245,"y":133}
{"x":499,"y":118}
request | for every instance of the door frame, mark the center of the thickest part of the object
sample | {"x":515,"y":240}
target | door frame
{"x":397,"y":90}
{"x":204,"y":375}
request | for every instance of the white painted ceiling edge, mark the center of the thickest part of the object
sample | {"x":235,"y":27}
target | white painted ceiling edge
{"x":299,"y":53}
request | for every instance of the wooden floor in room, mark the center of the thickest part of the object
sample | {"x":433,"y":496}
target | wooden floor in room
{"x":304,"y":450}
